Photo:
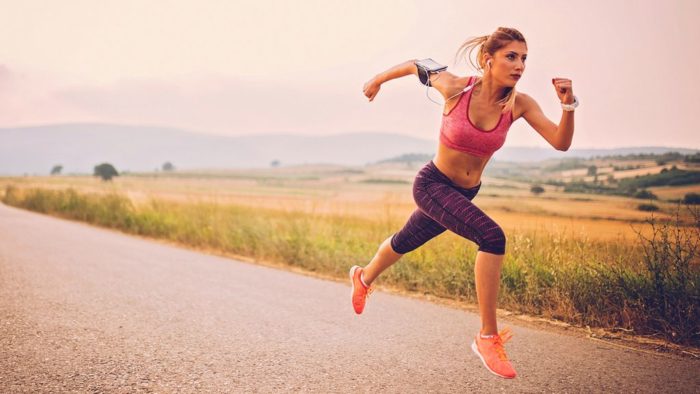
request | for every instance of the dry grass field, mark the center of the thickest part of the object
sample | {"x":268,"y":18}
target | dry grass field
{"x":674,"y":192}
{"x":379,"y":192}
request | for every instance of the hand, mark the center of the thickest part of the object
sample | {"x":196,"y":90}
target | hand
{"x":371,"y":88}
{"x":564,"y":90}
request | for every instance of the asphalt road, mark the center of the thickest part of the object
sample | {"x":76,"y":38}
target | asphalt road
{"x":84,"y":309}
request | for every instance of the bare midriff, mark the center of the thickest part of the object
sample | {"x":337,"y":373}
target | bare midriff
{"x":462,"y":168}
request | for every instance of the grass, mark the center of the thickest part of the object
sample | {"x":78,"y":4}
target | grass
{"x":600,"y":217}
{"x":651,"y":287}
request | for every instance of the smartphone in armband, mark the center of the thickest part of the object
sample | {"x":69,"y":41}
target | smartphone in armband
{"x":426,"y":67}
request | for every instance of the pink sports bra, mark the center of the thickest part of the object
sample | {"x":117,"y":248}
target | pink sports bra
{"x":458,"y":132}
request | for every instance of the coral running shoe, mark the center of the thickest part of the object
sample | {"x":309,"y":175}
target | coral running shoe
{"x":493,"y":355}
{"x":360,"y":292}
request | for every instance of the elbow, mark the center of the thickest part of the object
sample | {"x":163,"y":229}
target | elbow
{"x":562,"y":145}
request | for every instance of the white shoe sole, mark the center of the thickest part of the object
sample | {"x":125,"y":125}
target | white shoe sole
{"x":475,"y":349}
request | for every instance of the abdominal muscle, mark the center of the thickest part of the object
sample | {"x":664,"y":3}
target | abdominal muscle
{"x":462,"y":168}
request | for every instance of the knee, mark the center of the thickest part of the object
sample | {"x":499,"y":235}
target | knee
{"x":399,"y":246}
{"x":493,"y":241}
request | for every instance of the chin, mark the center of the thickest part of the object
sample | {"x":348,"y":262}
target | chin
{"x":509,"y":82}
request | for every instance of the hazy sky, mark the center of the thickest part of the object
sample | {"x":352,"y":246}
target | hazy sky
{"x":251,"y":67}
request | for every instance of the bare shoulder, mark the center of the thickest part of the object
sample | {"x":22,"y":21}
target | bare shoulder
{"x":448,"y":84}
{"x":523,"y":99}
{"x":523,"y":103}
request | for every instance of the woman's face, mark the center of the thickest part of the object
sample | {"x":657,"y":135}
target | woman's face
{"x":508,"y":63}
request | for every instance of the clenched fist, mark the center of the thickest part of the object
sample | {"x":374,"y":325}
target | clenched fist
{"x":564,"y":90}
{"x":371,"y":88}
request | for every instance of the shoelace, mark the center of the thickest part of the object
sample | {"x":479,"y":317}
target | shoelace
{"x":503,"y":336}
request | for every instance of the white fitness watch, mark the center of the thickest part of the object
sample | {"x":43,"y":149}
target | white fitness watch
{"x":570,"y":107}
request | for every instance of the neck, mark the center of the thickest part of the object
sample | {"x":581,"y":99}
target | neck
{"x":493,"y":92}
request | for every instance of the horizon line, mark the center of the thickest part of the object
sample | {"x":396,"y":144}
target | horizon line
{"x":268,"y":134}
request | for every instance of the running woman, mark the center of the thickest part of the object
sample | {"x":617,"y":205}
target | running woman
{"x":478,"y":112}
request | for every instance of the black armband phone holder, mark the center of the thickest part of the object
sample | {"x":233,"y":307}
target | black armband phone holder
{"x":426,"y":67}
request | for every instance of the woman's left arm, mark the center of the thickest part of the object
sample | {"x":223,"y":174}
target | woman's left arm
{"x":559,"y":136}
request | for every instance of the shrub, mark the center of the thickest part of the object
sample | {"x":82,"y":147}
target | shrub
{"x":645,"y":194}
{"x":537,"y":189}
{"x":691,"y":198}
{"x":648,"y":207}
{"x":671,"y":292}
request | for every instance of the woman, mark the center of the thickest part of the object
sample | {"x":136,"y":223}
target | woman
{"x":473,"y":128}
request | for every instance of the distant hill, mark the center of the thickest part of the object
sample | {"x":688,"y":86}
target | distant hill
{"x":571,"y":158}
{"x":79,"y":147}
{"x":527,"y":154}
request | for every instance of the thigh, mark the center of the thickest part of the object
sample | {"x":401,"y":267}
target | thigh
{"x":453,"y":210}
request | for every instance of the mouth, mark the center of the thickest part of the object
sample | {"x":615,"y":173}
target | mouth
{"x":515,"y":76}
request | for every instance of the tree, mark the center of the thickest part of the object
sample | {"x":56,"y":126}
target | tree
{"x":168,"y":166}
{"x":693,"y":159}
{"x":593,"y":170}
{"x":105,"y":171}
{"x":56,"y":170}
{"x":645,"y":194}
{"x":647,"y":207}
{"x":537,"y":189}
{"x":692,"y":199}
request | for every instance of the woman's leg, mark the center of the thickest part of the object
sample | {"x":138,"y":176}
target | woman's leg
{"x":461,"y":216}
{"x":448,"y":206}
{"x":487,"y":268}
{"x":488,"y":277}
{"x":419,"y":229}
{"x":384,"y":258}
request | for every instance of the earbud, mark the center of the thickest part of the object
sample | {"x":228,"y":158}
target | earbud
{"x":489,"y":63}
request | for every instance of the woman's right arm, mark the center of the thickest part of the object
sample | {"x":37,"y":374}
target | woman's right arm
{"x":441,"y":81}
{"x":400,"y":70}
{"x":371,"y":87}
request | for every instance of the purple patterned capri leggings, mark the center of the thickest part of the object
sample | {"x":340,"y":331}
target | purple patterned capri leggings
{"x":442,"y":205}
